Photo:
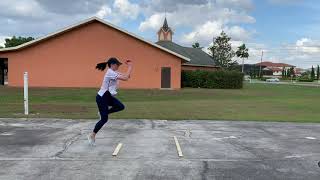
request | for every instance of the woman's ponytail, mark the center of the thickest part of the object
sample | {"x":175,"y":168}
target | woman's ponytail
{"x":101,"y":66}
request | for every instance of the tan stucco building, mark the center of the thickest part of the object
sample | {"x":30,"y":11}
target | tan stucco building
{"x":67,"y":58}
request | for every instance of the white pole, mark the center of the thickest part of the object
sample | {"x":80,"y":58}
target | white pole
{"x":260,"y":64}
{"x":26,"y":105}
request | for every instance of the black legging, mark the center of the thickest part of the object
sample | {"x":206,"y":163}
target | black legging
{"x":103,"y":104}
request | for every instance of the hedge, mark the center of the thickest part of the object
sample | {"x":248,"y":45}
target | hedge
{"x":305,"y":80}
{"x":212,"y":80}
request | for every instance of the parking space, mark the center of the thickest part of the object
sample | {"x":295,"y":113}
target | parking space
{"x":58,"y":149}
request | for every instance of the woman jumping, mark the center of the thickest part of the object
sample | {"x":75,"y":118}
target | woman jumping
{"x":105,"y":97}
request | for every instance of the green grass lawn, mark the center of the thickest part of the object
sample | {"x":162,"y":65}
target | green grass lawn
{"x":259,"y":102}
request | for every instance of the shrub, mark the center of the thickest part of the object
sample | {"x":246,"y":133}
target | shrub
{"x":214,"y":79}
{"x":193,"y":79}
{"x":305,"y":79}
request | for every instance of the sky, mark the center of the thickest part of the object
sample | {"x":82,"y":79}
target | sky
{"x":286,"y":30}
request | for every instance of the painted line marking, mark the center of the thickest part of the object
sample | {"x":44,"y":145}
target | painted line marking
{"x":229,"y":137}
{"x":178,"y":146}
{"x":293,"y":156}
{"x":6,"y":134}
{"x":116,"y":151}
{"x":187,"y":133}
{"x":16,"y":124}
{"x":312,"y":138}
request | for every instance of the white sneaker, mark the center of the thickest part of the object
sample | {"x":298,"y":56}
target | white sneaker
{"x":91,"y":140}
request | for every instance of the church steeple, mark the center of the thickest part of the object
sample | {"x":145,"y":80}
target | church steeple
{"x":165,"y":33}
{"x":165,"y":24}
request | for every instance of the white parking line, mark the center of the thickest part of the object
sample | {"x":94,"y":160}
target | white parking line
{"x":6,"y":134}
{"x":116,"y":151}
{"x":16,"y":124}
{"x":229,"y":137}
{"x":178,"y":146}
{"x":312,"y":138}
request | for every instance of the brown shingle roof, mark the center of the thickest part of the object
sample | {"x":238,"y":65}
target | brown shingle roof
{"x":271,"y":64}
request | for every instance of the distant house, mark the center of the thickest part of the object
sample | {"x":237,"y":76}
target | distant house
{"x":300,"y":71}
{"x":199,"y":60}
{"x":252,"y":69}
{"x":274,"y":69}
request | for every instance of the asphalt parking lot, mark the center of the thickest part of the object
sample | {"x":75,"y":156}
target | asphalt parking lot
{"x":57,"y":149}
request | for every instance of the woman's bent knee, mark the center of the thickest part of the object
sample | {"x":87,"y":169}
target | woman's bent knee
{"x":121,"y":107}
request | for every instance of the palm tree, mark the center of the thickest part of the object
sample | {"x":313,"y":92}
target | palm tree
{"x":318,"y":72}
{"x":242,"y":52}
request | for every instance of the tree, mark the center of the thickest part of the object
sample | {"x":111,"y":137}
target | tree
{"x":292,"y":73}
{"x":16,"y":41}
{"x":1,"y":47}
{"x":242,"y":52}
{"x":234,"y":66}
{"x":221,"y":51}
{"x":318,"y":72}
{"x":307,"y":73}
{"x":312,"y":74}
{"x":283,"y":73}
{"x":288,"y":73}
{"x":196,"y":45}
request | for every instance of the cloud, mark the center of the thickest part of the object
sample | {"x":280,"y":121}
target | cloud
{"x":205,"y":18}
{"x":156,"y":6}
{"x":71,"y":7}
{"x":255,"y":50}
{"x":104,"y":11}
{"x":238,"y":33}
{"x":203,"y":33}
{"x":195,"y":15}
{"x":40,"y":17}
{"x":127,"y":9}
{"x":306,"y":45}
{"x":285,"y":2}
{"x":238,"y":4}
{"x":206,"y":32}
{"x":21,"y":9}
{"x":304,"y":53}
{"x":2,"y":40}
{"x":153,"y":22}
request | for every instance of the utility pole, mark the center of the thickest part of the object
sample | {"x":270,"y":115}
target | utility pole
{"x":261,"y":64}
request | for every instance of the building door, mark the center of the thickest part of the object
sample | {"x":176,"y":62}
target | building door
{"x":166,"y":77}
{"x":3,"y":71}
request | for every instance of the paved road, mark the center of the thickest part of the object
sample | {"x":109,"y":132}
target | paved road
{"x":314,"y":84}
{"x":57,"y":149}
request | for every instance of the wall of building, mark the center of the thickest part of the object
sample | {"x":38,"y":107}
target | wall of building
{"x":69,"y":60}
